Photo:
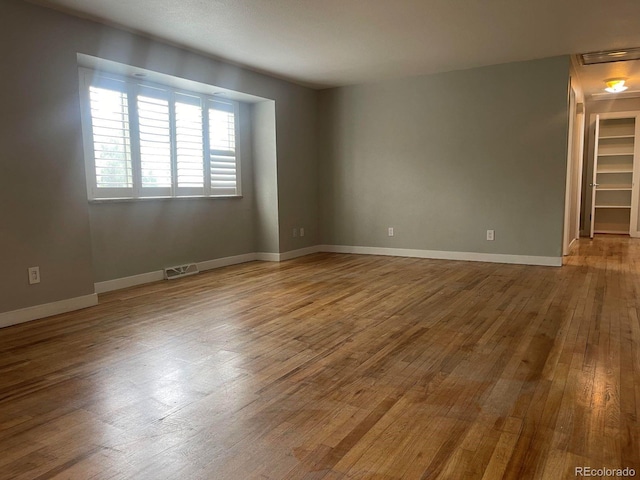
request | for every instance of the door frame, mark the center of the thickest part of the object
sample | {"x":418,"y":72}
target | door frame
{"x":635,"y":195}
{"x":573,"y":181}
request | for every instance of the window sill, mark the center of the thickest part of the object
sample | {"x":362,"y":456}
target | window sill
{"x":147,"y":199}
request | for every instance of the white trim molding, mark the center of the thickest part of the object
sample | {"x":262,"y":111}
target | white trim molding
{"x":291,"y":254}
{"x":445,"y":255}
{"x":126,"y":282}
{"x":47,"y":310}
{"x":268,"y":257}
{"x":226,"y":261}
{"x":156,"y":276}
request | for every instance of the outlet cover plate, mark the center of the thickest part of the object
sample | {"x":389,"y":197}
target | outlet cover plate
{"x":34,"y":275}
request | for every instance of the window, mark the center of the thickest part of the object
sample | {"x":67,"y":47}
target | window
{"x":147,"y":140}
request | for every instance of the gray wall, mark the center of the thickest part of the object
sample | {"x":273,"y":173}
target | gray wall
{"x":440,"y":158}
{"x":45,"y":218}
{"x":135,"y":237}
{"x":298,"y":188}
{"x":266,"y":176}
{"x":443,"y":158}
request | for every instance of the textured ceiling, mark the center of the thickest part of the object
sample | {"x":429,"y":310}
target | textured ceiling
{"x":324,"y":43}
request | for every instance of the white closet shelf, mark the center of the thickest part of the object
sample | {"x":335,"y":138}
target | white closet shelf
{"x":614,"y":198}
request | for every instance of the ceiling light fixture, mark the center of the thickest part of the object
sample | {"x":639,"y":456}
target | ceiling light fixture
{"x":615,"y":85}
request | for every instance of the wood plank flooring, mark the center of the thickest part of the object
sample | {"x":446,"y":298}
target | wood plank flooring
{"x":336,"y":366}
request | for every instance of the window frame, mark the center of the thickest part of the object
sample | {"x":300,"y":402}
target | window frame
{"x":131,"y":86}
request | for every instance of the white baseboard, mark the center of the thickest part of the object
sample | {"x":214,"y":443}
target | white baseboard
{"x":299,"y":253}
{"x":46,"y":310}
{"x":291,"y":254}
{"x":226,"y":261}
{"x":268,"y":257}
{"x":64,"y":306}
{"x":444,"y":255}
{"x":156,"y":276}
{"x":149,"y":277}
{"x":126,"y":282}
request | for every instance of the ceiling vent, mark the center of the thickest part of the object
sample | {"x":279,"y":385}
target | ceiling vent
{"x":620,"y":55}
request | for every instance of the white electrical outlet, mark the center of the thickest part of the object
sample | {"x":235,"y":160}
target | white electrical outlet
{"x":34,"y":275}
{"x":302,"y":231}
{"x":491,"y":235}
{"x":295,"y":232}
{"x":391,"y":231}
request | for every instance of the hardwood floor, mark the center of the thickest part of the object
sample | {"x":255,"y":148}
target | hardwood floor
{"x":336,"y":366}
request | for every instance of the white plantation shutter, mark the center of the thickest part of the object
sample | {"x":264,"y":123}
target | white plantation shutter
{"x":154,"y":128}
{"x":146,"y":140}
{"x":189,"y":142}
{"x":111,"y":138}
{"x":222,"y":145}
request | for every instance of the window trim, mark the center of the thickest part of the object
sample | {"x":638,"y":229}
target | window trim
{"x":89,"y":77}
